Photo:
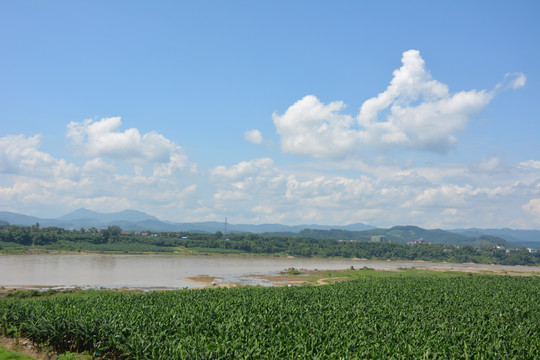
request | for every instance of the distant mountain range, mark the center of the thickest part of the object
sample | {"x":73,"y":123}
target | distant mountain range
{"x":528,"y":238}
{"x":405,"y":234}
{"x":133,"y":220}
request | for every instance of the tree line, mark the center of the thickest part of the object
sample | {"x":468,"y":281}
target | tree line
{"x":113,"y":239}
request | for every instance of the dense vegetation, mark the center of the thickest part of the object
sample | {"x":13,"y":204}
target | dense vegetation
{"x":17,"y":238}
{"x":401,"y":234}
{"x":422,"y":317}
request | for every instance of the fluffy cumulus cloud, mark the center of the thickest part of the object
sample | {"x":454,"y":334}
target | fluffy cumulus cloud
{"x":242,"y":169}
{"x":122,"y":169}
{"x":310,"y":127}
{"x":253,"y":136}
{"x":19,"y":153}
{"x":117,"y":168}
{"x":259,"y":191}
{"x":265,"y":193}
{"x":423,"y":114}
{"x":415,"y":111}
{"x":102,"y":138}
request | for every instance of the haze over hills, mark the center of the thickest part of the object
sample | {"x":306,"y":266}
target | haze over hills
{"x":125,"y":215}
{"x":409,"y":233}
{"x":521,"y":237}
{"x":133,"y":220}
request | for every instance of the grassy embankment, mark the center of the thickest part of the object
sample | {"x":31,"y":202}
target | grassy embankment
{"x":5,"y":354}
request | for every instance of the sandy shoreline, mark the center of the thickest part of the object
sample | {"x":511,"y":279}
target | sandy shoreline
{"x":283,"y":279}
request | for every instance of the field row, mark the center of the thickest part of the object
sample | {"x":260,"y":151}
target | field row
{"x":420,"y":317}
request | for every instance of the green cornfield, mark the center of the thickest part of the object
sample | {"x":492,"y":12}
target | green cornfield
{"x":416,"y":317}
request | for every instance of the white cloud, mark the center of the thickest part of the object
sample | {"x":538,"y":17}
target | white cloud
{"x":384,"y":196}
{"x":98,"y":166}
{"x":31,"y":179}
{"x":516,"y":80}
{"x":490,"y":165}
{"x":271,"y":194}
{"x":531,"y":164}
{"x":449,"y":211}
{"x":533,"y":207}
{"x":411,"y":178}
{"x":241,"y":170}
{"x":432,"y":124}
{"x":20,"y":155}
{"x":312,"y":128}
{"x":414,"y":112}
{"x":259,"y":191}
{"x":442,"y":195}
{"x":101,"y":138}
{"x":254,"y":136}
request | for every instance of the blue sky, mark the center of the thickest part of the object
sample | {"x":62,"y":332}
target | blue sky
{"x":381,"y":112}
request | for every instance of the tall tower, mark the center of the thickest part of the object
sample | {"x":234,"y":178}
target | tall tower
{"x":225,"y":226}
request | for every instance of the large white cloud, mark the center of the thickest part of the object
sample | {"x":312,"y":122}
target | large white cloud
{"x":414,"y":112}
{"x":31,"y":179}
{"x":384,"y":196}
{"x":259,"y":191}
{"x":422,"y":113}
{"x":21,"y":155}
{"x":102,"y":138}
{"x":312,"y":128}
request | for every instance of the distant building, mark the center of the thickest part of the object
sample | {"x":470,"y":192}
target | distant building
{"x":416,"y":242}
{"x":378,"y":238}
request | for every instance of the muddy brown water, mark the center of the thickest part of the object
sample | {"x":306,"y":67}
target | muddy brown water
{"x":171,"y":271}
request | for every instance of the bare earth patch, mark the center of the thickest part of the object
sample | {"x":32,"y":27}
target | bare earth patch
{"x":7,"y":290}
{"x":322,"y":277}
{"x":24,"y":346}
{"x":487,"y":271}
{"x":210,"y":281}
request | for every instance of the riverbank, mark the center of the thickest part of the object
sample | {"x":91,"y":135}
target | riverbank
{"x":255,"y":245}
{"x":288,"y":277}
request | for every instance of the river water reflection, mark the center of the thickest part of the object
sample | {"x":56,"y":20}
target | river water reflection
{"x":171,"y":271}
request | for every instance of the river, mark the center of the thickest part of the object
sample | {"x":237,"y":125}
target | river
{"x":172,"y":271}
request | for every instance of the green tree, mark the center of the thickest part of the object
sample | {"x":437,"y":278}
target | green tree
{"x":114,"y":230}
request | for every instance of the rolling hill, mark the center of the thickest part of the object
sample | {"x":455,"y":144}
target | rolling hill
{"x":133,"y":220}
